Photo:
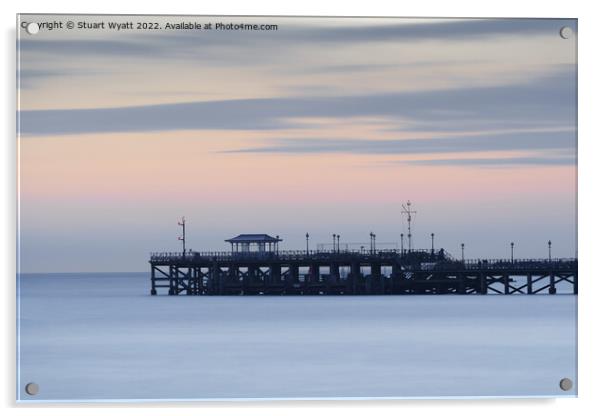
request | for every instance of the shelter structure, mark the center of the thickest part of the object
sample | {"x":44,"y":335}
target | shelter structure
{"x":260,"y":243}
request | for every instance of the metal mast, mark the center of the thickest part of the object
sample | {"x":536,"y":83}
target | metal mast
{"x":183,"y":237}
{"x":406,"y":209}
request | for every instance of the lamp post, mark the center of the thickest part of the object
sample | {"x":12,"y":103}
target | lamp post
{"x":550,"y":250}
{"x":462,"y":252}
{"x":372,"y":242}
{"x":512,"y":252}
{"x":338,"y":243}
{"x":334,"y":244}
{"x":401,"y":244}
{"x":307,"y":243}
{"x":432,"y":243}
{"x":182,"y":238}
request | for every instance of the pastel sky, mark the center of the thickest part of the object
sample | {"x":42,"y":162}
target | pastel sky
{"x":324,"y":126}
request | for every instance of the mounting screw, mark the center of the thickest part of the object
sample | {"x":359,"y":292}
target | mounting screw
{"x":32,"y":28}
{"x":32,"y":389}
{"x":566,"y":384}
{"x":566,"y":32}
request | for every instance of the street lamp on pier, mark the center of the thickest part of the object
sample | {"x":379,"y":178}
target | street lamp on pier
{"x":401,"y":244}
{"x":462,"y":252}
{"x":432,"y":243}
{"x":182,"y":238}
{"x":512,"y":252}
{"x":307,"y":243}
{"x":550,"y":250}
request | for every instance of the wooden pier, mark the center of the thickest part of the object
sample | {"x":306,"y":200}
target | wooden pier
{"x":349,"y":272}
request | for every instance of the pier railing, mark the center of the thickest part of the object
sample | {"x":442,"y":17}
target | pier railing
{"x":414,"y":260}
{"x":276,"y":255}
{"x":518,"y":264}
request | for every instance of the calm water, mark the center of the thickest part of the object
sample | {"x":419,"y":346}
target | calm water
{"x":102,"y":337}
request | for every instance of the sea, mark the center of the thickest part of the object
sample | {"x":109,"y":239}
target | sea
{"x":88,"y":337}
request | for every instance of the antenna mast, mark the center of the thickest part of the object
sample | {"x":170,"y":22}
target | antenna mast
{"x":183,"y":237}
{"x":406,"y":209}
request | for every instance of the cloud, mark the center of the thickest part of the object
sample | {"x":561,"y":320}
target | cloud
{"x":442,"y":30}
{"x":236,"y":114}
{"x":77,"y":47}
{"x":473,"y":143}
{"x":545,"y":102}
{"x":28,"y":78}
{"x":292,"y":30}
{"x":497,"y":162}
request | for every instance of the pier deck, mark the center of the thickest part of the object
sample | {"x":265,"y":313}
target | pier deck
{"x":385,"y":272}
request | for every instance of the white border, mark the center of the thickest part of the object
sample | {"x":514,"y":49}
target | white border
{"x":589,"y":202}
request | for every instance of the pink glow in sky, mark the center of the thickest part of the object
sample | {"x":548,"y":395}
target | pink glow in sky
{"x":325,"y":126}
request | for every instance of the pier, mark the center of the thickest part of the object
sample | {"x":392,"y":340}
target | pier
{"x":353,"y":272}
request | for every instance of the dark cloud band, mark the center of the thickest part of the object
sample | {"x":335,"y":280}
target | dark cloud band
{"x":543,"y":103}
{"x":473,"y":143}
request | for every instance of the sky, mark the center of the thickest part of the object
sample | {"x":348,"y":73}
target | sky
{"x":326,"y":125}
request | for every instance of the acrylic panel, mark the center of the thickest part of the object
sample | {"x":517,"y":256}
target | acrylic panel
{"x":261,"y":207}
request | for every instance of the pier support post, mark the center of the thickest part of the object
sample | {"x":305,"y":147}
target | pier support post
{"x":376,"y":279}
{"x":292,"y":278}
{"x":506,"y":280}
{"x":197,"y":281}
{"x":461,"y":284}
{"x":314,"y":273}
{"x":233,"y":277}
{"x":552,"y":289}
{"x":265,"y":278}
{"x":529,"y":284}
{"x":335,"y":273}
{"x":253,"y":274}
{"x":483,"y":283}
{"x":575,"y":281}
{"x":395,"y":278}
{"x":353,"y":278}
{"x":247,"y":280}
{"x":153,"y":282}
{"x":275,"y":274}
{"x":334,"y":276}
{"x":172,"y":280}
{"x":217,"y":279}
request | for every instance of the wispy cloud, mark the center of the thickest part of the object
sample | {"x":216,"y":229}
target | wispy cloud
{"x":545,"y":102}
{"x":178,"y":42}
{"x":28,"y":78}
{"x":78,"y":47}
{"x":497,"y":162}
{"x":473,"y":143}
{"x":444,"y":29}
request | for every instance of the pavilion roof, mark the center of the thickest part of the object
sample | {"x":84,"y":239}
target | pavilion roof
{"x":253,"y":238}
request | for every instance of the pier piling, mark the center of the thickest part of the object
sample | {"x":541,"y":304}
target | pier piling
{"x":347,"y":272}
